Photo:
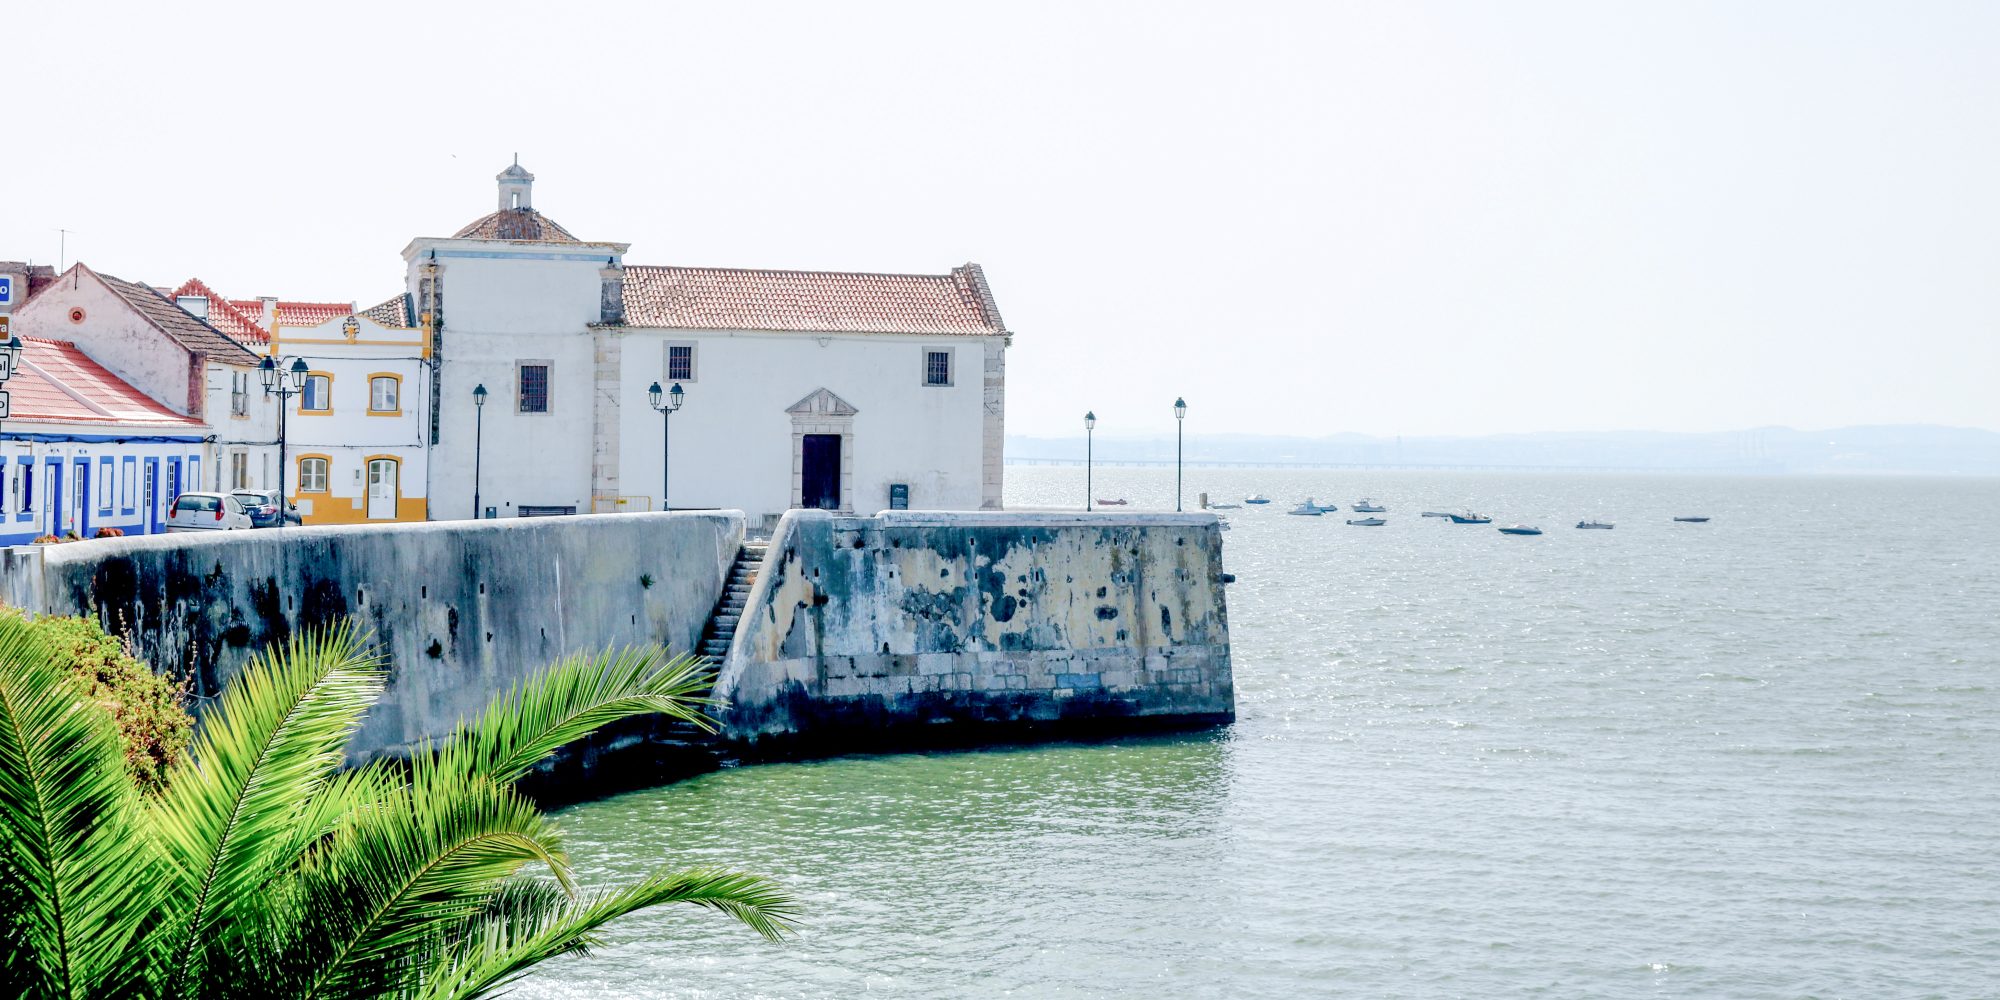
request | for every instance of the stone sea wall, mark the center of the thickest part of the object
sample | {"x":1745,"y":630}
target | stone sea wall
{"x":462,"y":610}
{"x":873,"y":630}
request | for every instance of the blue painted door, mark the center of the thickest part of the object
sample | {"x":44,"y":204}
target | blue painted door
{"x":151,"y":496}
{"x":54,"y":499}
{"x":82,"y":498}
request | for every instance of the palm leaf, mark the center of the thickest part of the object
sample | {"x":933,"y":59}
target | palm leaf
{"x":526,"y":927}
{"x":82,"y":885}
{"x":579,"y":696}
{"x":257,"y":763}
{"x":402,"y":876}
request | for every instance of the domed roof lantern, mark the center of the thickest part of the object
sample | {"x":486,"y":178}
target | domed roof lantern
{"x":516,"y":186}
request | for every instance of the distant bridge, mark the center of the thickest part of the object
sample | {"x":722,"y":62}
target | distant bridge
{"x":1209,"y":463}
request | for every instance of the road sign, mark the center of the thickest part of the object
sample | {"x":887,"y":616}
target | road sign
{"x":6,"y":405}
{"x":6,"y":356}
{"x":7,"y":291}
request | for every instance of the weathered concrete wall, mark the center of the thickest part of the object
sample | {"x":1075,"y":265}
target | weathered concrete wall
{"x":859,"y":626}
{"x":462,"y":609}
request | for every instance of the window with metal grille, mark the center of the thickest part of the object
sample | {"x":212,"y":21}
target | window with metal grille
{"x":534,"y":388}
{"x":937,"y":367}
{"x":239,"y":394}
{"x":680,"y":362}
{"x":312,"y":475}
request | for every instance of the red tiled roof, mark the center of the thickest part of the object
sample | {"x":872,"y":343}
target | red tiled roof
{"x":243,"y":322}
{"x":516,"y":224}
{"x":183,"y":326}
{"x":715,"y":298}
{"x":243,"y":319}
{"x":93,"y":396}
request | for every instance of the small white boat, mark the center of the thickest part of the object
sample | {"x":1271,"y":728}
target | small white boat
{"x":1366,"y":522}
{"x":1368,"y":506}
{"x":1256,"y":498}
{"x":1225,"y":506}
{"x":1308,"y":509}
{"x":1605,"y":525}
{"x":1436,"y":513}
{"x":1521,"y":529}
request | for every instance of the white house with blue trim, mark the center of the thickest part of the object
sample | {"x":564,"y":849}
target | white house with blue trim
{"x":84,"y":450}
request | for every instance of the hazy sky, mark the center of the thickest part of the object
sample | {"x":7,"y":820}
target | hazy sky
{"x":1388,"y":218}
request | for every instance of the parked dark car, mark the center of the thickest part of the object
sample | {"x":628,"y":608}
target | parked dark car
{"x":262,"y":506}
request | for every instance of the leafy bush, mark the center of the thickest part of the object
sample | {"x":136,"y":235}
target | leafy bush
{"x":146,"y":706}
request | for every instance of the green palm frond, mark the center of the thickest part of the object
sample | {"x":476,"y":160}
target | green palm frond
{"x":579,"y":696}
{"x":529,"y":927}
{"x":82,"y":883}
{"x":257,"y":763}
{"x":404,"y":875}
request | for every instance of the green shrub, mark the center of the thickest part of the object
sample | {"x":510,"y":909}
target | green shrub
{"x":147,"y":707}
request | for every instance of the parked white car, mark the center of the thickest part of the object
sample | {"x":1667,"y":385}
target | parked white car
{"x":208,"y":512}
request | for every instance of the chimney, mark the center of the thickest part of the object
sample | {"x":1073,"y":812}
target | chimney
{"x":270,"y":304}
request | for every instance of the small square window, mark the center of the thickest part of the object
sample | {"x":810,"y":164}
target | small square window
{"x":534,"y":388}
{"x":937,"y":367}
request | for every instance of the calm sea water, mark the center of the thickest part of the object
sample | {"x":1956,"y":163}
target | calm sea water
{"x":1754,"y":758}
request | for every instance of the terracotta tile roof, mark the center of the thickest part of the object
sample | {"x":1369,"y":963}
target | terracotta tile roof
{"x":58,"y":383}
{"x":193,"y":333}
{"x":241,"y":321}
{"x":714,"y":298}
{"x":516,"y":224}
{"x":392,"y":313}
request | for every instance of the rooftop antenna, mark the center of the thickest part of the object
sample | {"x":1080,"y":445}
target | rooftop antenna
{"x":62,"y":251}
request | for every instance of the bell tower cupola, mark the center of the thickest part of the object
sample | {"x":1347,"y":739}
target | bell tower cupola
{"x":516,"y":185}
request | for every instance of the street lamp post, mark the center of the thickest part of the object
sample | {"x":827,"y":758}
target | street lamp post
{"x":284,"y":386}
{"x":672,"y":401}
{"x":1180,"y":421}
{"x":1089,"y":429}
{"x":478,"y":441}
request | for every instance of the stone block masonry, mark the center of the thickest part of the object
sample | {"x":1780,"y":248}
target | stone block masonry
{"x":873,"y":631}
{"x":461,"y":610}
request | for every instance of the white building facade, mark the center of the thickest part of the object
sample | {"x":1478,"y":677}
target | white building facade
{"x":844,"y":391}
{"x":173,"y":357}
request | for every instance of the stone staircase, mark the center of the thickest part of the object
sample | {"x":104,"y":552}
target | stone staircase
{"x":721,"y":628}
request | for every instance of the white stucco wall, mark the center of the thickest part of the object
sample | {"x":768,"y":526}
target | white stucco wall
{"x":114,"y":336}
{"x":351,"y":434}
{"x":505,"y":305}
{"x":733,"y":443}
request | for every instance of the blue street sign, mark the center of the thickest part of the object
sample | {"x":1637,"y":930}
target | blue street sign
{"x":6,"y":290}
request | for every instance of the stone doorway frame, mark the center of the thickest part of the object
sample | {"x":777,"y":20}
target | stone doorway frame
{"x":822,"y":412}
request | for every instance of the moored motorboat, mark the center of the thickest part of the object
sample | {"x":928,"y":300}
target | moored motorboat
{"x":1436,"y":513}
{"x":1225,"y":506}
{"x":1366,"y":522}
{"x":1594,"y":524}
{"x":1309,"y":509}
{"x":1256,"y":498}
{"x":1468,"y":517}
{"x":1368,"y":506}
{"x":1521,"y":529}
{"x":1692,"y":520}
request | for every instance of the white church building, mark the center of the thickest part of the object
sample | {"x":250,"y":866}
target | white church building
{"x":845,"y":391}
